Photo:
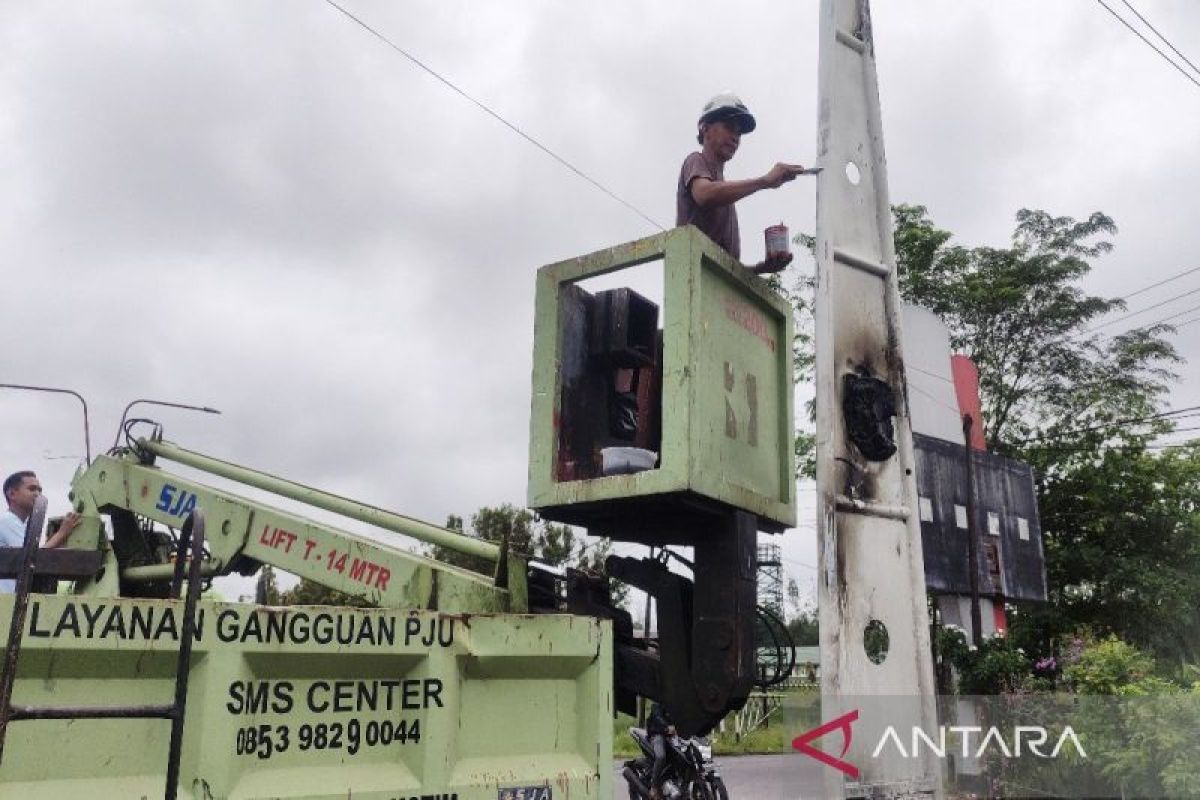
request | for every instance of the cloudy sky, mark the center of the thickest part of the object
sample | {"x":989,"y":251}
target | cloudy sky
{"x":262,"y":208}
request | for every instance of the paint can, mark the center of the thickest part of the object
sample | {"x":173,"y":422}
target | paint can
{"x":778,"y":245}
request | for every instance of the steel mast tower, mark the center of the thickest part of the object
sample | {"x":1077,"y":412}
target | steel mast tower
{"x":875,"y":656}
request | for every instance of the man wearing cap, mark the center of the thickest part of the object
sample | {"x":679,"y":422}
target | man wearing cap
{"x":704,"y":198}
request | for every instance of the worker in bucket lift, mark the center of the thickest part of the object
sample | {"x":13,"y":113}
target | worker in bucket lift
{"x":21,"y":491}
{"x":705,"y":198}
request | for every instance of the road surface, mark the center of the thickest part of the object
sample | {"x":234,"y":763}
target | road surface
{"x":778,"y":777}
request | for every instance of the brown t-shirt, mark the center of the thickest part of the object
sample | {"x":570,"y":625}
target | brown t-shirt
{"x":719,"y":223}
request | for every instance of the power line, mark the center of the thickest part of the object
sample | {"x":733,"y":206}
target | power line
{"x":1109,"y":448}
{"x":1187,"y":322}
{"x":1162,"y":320}
{"x":487,"y":110}
{"x":1178,"y":413}
{"x":1181,"y":430}
{"x":798,"y":562}
{"x":1138,"y":34}
{"x":1159,"y":304}
{"x":957,"y":412}
{"x":1166,"y":41}
{"x":1183,"y":274}
{"x":927,"y":372}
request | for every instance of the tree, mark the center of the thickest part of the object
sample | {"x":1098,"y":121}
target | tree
{"x":548,"y":542}
{"x":1059,"y":391}
{"x":800,"y":294}
{"x":311,"y":593}
{"x":1121,"y":535}
{"x":266,"y":591}
{"x":1121,"y":531}
{"x":1021,"y":316}
{"x":803,"y":628}
{"x":492,"y":524}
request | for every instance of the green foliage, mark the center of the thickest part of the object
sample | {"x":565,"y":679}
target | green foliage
{"x":997,"y":666}
{"x":311,"y":593}
{"x":803,"y":628}
{"x":492,"y":524}
{"x":1109,"y":666}
{"x":799,"y":292}
{"x":1122,"y":544}
{"x":1120,"y":527}
{"x":1021,"y":316}
{"x":551,"y":543}
{"x":1120,"y":522}
{"x":266,"y":590}
{"x":1143,"y":730}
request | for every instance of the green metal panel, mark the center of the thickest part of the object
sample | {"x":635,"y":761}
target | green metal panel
{"x":297,"y":702}
{"x":727,"y":430}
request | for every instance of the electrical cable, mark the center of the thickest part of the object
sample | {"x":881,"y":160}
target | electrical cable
{"x":1179,"y":412}
{"x":1163,"y":282}
{"x":487,"y":110}
{"x":1166,"y":41}
{"x":764,"y":682}
{"x":799,"y":563}
{"x":791,"y":643}
{"x":957,"y":412}
{"x":1186,"y":323}
{"x":1149,"y":43}
{"x":930,"y":374}
{"x":768,"y":618}
{"x":1107,"y":448}
{"x":1161,"y":320}
{"x":1141,"y":311}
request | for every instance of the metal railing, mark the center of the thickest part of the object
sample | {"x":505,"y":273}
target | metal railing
{"x":191,"y":538}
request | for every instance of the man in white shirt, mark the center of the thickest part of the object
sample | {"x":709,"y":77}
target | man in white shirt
{"x":21,"y":491}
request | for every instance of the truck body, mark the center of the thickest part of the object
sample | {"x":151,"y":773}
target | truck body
{"x":447,"y":687}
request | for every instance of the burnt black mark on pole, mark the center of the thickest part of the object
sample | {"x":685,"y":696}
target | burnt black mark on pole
{"x":869,"y":404}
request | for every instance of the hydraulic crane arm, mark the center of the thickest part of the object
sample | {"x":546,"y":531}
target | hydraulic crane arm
{"x":244,"y":533}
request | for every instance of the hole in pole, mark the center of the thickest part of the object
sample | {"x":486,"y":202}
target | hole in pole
{"x":875,"y":641}
{"x":852,"y":173}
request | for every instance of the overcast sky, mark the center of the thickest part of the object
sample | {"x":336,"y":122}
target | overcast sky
{"x":262,"y":208}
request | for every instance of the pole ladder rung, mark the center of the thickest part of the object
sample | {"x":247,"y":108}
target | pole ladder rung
{"x":853,"y":42}
{"x":854,"y":506}
{"x":859,"y":263}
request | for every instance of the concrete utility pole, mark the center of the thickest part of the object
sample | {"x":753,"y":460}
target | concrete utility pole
{"x":875,"y":656}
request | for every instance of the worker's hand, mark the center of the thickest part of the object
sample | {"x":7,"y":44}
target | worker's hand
{"x":60,"y":536}
{"x":780,"y":174}
{"x":70,"y":521}
{"x":773,"y":264}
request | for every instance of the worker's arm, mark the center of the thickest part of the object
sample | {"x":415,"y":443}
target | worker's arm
{"x":60,"y":536}
{"x":708,"y":192}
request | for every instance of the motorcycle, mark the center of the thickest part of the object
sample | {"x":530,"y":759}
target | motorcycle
{"x":690,"y":772}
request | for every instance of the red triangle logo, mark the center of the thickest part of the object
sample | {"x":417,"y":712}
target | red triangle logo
{"x":842,"y":723}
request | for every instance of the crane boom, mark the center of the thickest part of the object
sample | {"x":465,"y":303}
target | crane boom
{"x":247,"y":533}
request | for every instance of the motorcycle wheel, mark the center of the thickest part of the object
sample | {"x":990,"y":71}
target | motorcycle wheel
{"x":634,"y":794}
{"x":717,"y":785}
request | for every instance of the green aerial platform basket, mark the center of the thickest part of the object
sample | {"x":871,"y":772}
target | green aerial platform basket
{"x":635,"y":427}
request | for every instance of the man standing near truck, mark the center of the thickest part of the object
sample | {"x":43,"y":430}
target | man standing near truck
{"x":21,"y":491}
{"x":704,"y":198}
